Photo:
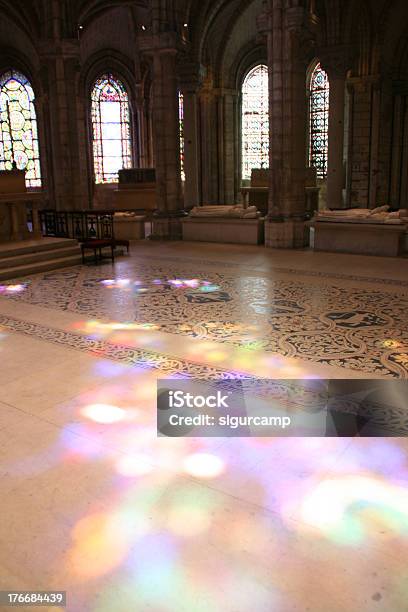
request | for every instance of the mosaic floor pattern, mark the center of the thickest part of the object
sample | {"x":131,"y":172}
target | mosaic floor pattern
{"x":320,"y":318}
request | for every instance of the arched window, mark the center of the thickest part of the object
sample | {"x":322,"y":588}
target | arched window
{"x":111,"y":129}
{"x":319,"y":120}
{"x":255,"y":120}
{"x":181,"y":124}
{"x":18,"y":127}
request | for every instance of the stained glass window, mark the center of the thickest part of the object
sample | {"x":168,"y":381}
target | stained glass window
{"x":111,"y":129}
{"x":319,"y":121}
{"x":181,"y":123}
{"x":18,"y":127}
{"x":255,"y":120}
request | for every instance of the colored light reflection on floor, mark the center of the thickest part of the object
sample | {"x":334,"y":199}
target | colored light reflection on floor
{"x":347,"y":509}
{"x":13,"y":289}
{"x":92,"y":327}
{"x":104,"y":413}
{"x":153,"y":538}
{"x":203,"y":465}
{"x":137,"y":286}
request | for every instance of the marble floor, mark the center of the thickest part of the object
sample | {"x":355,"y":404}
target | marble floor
{"x":94,"y":503}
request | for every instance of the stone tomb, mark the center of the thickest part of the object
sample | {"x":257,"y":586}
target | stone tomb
{"x":225,"y":224}
{"x":361,"y":231}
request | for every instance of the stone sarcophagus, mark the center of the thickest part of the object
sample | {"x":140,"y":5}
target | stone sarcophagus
{"x":136,"y":189}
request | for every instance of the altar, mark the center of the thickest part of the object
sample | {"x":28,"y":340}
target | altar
{"x":16,"y":206}
{"x":136,"y":189}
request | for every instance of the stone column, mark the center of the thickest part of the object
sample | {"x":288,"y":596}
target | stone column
{"x":334,"y":63}
{"x":287,"y":60}
{"x":190,"y":80}
{"x":360,"y":141}
{"x":397,"y":153}
{"x":191,"y":150}
{"x":166,"y":136}
{"x":66,"y":124}
{"x":208,"y":101}
{"x":229,"y":191}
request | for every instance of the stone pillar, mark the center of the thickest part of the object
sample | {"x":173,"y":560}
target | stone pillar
{"x":208,"y":101}
{"x":66,"y":125}
{"x":335,"y":66}
{"x":191,"y":149}
{"x":229,"y":191}
{"x":360,"y":141}
{"x":166,"y":136}
{"x":398,"y":142}
{"x":287,"y":60}
{"x":376,"y":127}
{"x":190,"y":80}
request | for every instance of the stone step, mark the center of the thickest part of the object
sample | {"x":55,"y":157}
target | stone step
{"x":35,"y":257}
{"x":13,"y":249}
{"x":40,"y":266}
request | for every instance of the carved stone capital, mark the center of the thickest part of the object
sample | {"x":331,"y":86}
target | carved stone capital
{"x":191,"y":75}
{"x":335,"y":61}
{"x":163,"y":42}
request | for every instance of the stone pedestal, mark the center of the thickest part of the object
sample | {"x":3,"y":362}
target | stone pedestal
{"x":129,"y":228}
{"x":234,"y":231}
{"x":166,"y":228}
{"x":286,"y":234}
{"x":359,"y":238}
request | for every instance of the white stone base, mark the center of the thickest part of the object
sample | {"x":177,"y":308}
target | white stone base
{"x":359,"y":238}
{"x":234,"y":231}
{"x":287,"y":234}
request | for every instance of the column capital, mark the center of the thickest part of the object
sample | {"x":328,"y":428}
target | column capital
{"x":67,"y":48}
{"x":363,"y":84}
{"x":191,"y":76}
{"x":335,"y":60}
{"x":151,"y":43}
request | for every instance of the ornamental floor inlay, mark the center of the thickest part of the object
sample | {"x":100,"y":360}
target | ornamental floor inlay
{"x":323,"y":321}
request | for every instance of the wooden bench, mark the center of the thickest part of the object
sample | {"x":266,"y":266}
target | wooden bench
{"x":97,"y":244}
